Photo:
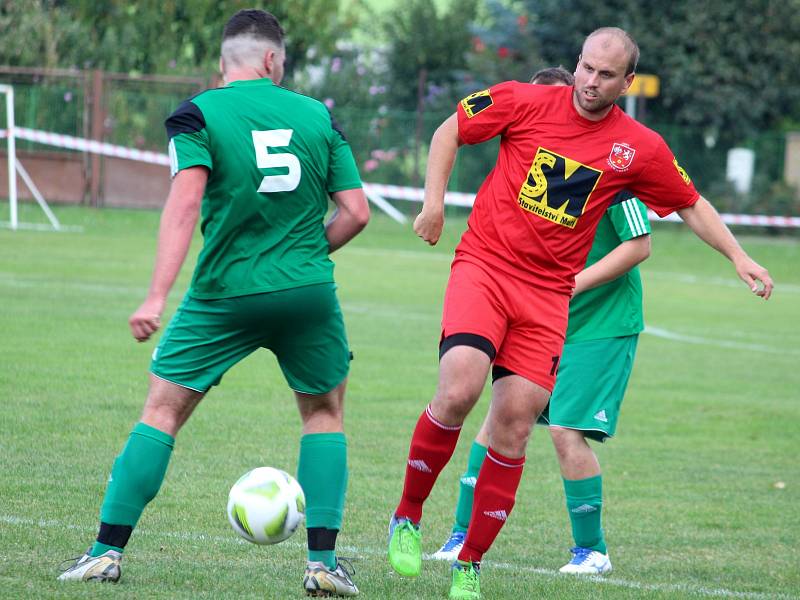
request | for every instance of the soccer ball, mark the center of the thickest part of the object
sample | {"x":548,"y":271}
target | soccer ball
{"x":266,"y":505}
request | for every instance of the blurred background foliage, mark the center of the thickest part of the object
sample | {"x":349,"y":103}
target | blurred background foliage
{"x":392,"y":71}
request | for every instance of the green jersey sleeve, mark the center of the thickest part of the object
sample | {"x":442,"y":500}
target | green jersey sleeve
{"x":629,"y":218}
{"x":342,"y":169}
{"x":188,"y":138}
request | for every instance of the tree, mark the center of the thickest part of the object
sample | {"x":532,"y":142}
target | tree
{"x":35,"y":36}
{"x":726,"y":68}
{"x":426,"y":49}
{"x":425,"y":53}
{"x":153,"y":36}
{"x":503,"y":45}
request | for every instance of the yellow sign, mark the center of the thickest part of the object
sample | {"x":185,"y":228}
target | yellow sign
{"x":645,"y":85}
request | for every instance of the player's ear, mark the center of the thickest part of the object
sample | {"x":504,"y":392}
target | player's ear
{"x":628,"y":81}
{"x":269,"y":61}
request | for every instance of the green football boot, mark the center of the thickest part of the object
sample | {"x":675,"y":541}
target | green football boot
{"x":405,"y":549}
{"x":466,"y":581}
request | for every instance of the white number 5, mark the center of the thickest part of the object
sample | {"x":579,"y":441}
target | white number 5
{"x":276,"y":138}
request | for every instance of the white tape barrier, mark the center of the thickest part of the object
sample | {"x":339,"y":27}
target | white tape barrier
{"x":376,"y":192}
{"x":396,"y":192}
{"x":74,"y":143}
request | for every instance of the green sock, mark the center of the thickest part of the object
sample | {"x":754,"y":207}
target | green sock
{"x":466,"y":489}
{"x":99,"y":548}
{"x":135,"y":479}
{"x":585,"y":506}
{"x":322,"y":473}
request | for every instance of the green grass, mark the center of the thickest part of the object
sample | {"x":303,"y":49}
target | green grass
{"x":709,"y":426}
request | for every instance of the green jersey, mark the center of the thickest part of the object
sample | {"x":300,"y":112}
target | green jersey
{"x":615,"y":308}
{"x":273,"y":156}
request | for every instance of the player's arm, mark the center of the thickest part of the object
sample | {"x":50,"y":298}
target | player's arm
{"x":349,"y":218}
{"x":178,"y":221}
{"x":614,"y":264}
{"x":444,"y":147}
{"x":704,"y":220}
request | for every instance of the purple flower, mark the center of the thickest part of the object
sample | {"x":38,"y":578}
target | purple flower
{"x":336,"y":65}
{"x":370,"y":165}
{"x":329,"y":102}
{"x":68,"y":97}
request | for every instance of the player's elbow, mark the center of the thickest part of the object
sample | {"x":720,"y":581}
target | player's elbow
{"x":360,"y":213}
{"x":446,"y":134}
{"x":354,"y":207}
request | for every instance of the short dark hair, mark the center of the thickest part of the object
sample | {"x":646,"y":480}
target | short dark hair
{"x":553,"y":75}
{"x":257,"y":23}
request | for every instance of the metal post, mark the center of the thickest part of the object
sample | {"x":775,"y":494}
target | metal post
{"x":630,"y":106}
{"x":97,"y":130}
{"x":12,"y":155}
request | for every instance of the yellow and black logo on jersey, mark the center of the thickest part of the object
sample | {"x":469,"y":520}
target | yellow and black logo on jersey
{"x":557,"y":188}
{"x":477,"y":102}
{"x":684,"y":175}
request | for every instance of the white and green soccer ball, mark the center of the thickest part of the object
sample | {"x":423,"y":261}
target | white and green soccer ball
{"x":266,"y":505}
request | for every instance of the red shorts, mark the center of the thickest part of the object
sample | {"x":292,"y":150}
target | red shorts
{"x":526,"y":324}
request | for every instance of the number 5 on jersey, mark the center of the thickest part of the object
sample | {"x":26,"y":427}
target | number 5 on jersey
{"x":276,"y":138}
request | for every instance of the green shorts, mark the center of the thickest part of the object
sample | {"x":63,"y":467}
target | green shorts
{"x":302,"y":326}
{"x":591,"y":383}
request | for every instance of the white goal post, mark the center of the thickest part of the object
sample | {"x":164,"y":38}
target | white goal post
{"x":15,"y":167}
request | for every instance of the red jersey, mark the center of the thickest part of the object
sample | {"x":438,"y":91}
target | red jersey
{"x":556,"y":174}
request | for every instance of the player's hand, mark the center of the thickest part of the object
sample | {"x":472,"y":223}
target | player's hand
{"x":752,"y":273}
{"x":146,"y":320}
{"x":428,"y":225}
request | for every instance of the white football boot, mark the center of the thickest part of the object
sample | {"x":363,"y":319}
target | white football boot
{"x":319,"y":580}
{"x":586,"y":561}
{"x":104,"y":568}
{"x":450,"y":549}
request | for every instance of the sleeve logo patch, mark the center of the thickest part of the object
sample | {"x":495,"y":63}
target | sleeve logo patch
{"x":684,"y":175}
{"x":477,"y":102}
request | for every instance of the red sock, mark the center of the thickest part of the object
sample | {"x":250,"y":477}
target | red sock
{"x":432,"y":446}
{"x":495,"y":492}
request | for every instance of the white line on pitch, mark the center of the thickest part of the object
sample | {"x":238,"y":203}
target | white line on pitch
{"x":691,"y":339}
{"x":675,"y":276}
{"x":378,"y":310}
{"x":374,"y":553}
{"x":715,"y":280}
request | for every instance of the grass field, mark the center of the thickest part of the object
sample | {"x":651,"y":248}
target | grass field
{"x":702,"y":483}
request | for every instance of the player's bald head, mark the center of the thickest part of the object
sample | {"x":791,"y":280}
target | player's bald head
{"x":248,"y":35}
{"x":607,"y":38}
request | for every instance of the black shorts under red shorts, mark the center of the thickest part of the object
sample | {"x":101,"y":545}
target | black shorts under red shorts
{"x":525,"y":323}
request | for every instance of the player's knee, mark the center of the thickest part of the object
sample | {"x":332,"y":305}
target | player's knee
{"x":455,"y":399}
{"x":510,"y":437}
{"x":567,"y":442}
{"x":321,"y":413}
{"x":164,"y":418}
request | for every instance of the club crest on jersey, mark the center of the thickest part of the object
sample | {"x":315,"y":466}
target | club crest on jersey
{"x":477,"y":102}
{"x":621,"y":156}
{"x":557,"y":188}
